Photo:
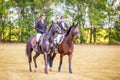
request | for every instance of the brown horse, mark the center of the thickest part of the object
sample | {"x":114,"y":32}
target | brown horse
{"x":45,"y":46}
{"x":66,"y":47}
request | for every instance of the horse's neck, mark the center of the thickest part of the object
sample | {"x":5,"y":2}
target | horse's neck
{"x":69,"y":38}
{"x":50,"y":35}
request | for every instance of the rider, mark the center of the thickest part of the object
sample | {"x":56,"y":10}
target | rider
{"x":63,"y":27}
{"x":40,"y":27}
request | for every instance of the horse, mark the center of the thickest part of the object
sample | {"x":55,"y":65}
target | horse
{"x":66,"y":47}
{"x":45,"y":46}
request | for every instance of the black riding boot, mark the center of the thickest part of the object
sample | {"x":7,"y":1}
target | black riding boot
{"x":36,"y":47}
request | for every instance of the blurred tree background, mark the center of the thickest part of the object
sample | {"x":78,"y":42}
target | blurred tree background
{"x":99,"y":20}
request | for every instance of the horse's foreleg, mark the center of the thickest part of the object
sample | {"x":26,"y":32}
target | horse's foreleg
{"x":69,"y":61}
{"x":51,"y":60}
{"x":34,"y":58}
{"x":60,"y":64}
{"x":46,"y":63}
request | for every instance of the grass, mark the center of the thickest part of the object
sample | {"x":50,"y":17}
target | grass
{"x":89,"y":62}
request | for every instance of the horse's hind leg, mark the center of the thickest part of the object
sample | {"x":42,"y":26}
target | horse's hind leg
{"x":30,"y":60}
{"x":29,"y":55}
{"x":34,"y":58}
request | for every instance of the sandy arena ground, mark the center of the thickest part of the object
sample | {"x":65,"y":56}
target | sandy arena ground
{"x":90,"y":62}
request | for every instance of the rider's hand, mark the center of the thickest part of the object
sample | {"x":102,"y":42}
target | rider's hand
{"x":65,"y":28}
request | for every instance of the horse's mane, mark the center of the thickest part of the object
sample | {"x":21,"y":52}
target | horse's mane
{"x":50,"y":27}
{"x":68,"y":31}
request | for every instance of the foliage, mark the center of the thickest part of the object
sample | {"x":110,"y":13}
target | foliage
{"x":92,"y":16}
{"x":77,"y":41}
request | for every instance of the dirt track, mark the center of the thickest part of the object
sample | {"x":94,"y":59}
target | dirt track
{"x":89,"y":63}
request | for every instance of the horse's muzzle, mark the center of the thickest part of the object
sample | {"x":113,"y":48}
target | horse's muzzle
{"x":77,"y":35}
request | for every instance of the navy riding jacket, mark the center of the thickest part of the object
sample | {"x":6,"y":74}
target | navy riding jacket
{"x":61,"y":26}
{"x":40,"y":27}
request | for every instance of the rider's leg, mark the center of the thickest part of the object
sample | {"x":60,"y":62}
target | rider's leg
{"x":58,"y":41}
{"x":59,"y":38}
{"x":38,"y":35}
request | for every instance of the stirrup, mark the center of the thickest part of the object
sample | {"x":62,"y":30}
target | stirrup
{"x":35,"y":49}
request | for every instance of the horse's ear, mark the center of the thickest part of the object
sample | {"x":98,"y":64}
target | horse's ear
{"x":52,"y":22}
{"x":76,"y":24}
{"x":73,"y":24}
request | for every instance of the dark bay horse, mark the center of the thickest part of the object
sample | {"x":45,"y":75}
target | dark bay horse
{"x":45,"y":46}
{"x":66,"y":47}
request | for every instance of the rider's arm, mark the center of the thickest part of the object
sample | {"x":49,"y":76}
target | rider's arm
{"x":37,"y":27}
{"x":66,"y":27}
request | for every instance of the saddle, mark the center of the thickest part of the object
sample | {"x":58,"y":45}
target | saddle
{"x":33,"y":41}
{"x":59,"y":40}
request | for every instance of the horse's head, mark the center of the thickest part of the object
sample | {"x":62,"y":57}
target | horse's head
{"x":55,"y":28}
{"x":75,"y":30}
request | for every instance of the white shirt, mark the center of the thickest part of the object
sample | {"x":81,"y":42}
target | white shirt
{"x":63,"y":24}
{"x":42,"y":21}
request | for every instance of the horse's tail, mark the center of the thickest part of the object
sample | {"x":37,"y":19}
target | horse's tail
{"x":27,"y":52}
{"x":29,"y":47}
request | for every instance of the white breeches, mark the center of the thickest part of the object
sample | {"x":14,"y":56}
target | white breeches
{"x":38,"y":35}
{"x":58,"y":38}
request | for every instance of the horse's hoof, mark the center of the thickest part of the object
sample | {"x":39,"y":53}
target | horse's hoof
{"x":35,"y":70}
{"x":70,"y":72}
{"x":58,"y":70}
{"x":50,"y":69}
{"x":46,"y":72}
